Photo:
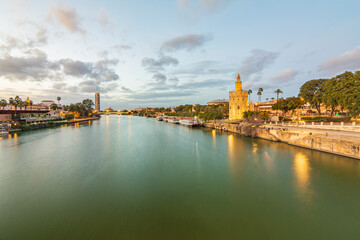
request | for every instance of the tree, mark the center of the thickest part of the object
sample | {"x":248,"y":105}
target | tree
{"x":249,"y":93}
{"x":54,"y":106}
{"x":272,"y":99}
{"x":17,"y":102}
{"x":288,"y":104}
{"x":277,"y":91}
{"x":259,"y":93}
{"x":312,"y":92}
{"x":11,"y":101}
{"x":88,"y":103}
{"x":59,"y":99}
{"x":3,"y":103}
{"x":332,"y":94}
{"x":348,"y":89}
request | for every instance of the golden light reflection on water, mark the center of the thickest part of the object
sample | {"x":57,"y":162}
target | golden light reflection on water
{"x":302,"y":171}
{"x":213,"y":133}
{"x":255,"y":148}
{"x":231,"y":150}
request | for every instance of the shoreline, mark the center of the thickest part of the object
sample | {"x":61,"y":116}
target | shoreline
{"x":53,"y":124}
{"x":345,"y":146}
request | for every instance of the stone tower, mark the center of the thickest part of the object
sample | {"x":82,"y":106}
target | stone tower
{"x":238,"y":101}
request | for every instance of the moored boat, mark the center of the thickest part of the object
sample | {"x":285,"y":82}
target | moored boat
{"x":173,"y":120}
{"x":159,"y":118}
{"x":190,"y":122}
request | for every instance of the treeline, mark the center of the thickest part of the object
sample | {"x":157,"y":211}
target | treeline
{"x":206,"y":112}
{"x":83,"y":108}
{"x":16,"y":102}
{"x":342,"y":91}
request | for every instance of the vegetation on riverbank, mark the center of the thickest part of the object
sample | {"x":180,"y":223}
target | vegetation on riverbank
{"x":206,"y":112}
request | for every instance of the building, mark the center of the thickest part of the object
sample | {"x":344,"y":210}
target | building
{"x":97,"y":102}
{"x":218,"y":102}
{"x":47,"y":103}
{"x":238,"y":101}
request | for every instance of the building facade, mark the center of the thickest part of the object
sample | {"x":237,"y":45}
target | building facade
{"x":97,"y":102}
{"x":238,"y":101}
{"x":218,"y":102}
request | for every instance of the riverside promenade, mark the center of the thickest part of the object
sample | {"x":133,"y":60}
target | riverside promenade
{"x":340,"y":139}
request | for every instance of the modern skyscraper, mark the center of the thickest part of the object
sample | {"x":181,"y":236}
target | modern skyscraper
{"x":97,"y":102}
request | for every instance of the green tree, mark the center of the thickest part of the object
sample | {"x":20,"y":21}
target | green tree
{"x":54,"y":106}
{"x":277,"y":91}
{"x":312,"y":92}
{"x":259,"y":93}
{"x":3,"y":103}
{"x":17,"y":102}
{"x":59,"y":99}
{"x":332,"y":94}
{"x":11,"y":101}
{"x":249,"y":93}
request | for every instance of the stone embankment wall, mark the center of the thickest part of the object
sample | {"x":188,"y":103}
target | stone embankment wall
{"x":345,"y":146}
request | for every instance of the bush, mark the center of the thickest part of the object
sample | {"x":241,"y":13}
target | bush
{"x":69,"y":116}
{"x":326,"y":119}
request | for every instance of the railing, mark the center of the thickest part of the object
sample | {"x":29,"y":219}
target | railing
{"x":343,"y":126}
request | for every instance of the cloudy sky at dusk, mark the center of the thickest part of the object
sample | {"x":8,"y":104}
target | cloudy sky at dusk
{"x":168,"y":52}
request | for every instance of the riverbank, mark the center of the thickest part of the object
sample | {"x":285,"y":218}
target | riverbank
{"x":53,"y":124}
{"x":343,"y":145}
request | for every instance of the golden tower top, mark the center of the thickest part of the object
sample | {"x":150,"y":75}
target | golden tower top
{"x":238,"y":87}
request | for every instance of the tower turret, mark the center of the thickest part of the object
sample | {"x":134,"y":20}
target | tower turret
{"x":238,"y":84}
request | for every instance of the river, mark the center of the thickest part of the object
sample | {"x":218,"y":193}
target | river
{"x":137,"y":178}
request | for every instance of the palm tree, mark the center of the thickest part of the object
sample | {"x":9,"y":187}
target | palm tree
{"x":267,"y":99}
{"x":17,"y":102}
{"x":11,"y":101}
{"x":259,"y":93}
{"x":3,"y":103}
{"x":277,"y":91}
{"x":249,"y":93}
{"x":272,"y":99}
{"x":59,"y":99}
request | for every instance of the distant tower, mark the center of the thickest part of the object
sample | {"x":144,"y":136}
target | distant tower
{"x":97,"y":102}
{"x":238,"y":101}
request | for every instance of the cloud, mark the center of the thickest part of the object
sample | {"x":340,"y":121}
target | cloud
{"x":75,"y":68}
{"x":209,"y":83}
{"x":346,"y":61}
{"x":121,"y":47}
{"x":33,"y":64}
{"x":155,"y":65}
{"x":195,"y":8}
{"x":67,"y":17}
{"x":103,"y":18}
{"x":186,"y":42}
{"x":207,"y":67}
{"x":256,"y":62}
{"x":159,"y":78}
{"x":286,"y":75}
{"x":39,"y":38}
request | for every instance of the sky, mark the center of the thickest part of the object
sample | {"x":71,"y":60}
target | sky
{"x":140,"y":53}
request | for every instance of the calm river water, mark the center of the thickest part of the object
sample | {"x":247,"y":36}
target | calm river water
{"x":137,"y":178}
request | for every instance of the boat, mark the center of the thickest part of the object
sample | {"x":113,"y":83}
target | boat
{"x":190,"y":122}
{"x":165,"y":118}
{"x":173,"y":120}
{"x":159,"y":118}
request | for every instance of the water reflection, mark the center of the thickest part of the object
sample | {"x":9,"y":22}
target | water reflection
{"x":302,"y":172}
{"x":213,"y":133}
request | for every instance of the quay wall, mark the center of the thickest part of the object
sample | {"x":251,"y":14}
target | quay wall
{"x":345,"y":146}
